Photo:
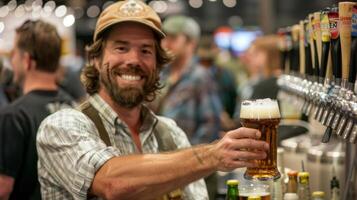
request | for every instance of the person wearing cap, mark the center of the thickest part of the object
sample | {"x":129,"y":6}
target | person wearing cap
{"x":113,"y":146}
{"x":34,"y":59}
{"x":190,"y":95}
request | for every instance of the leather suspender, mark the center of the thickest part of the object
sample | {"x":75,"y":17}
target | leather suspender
{"x":92,"y":113}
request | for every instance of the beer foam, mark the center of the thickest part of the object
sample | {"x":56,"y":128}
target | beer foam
{"x":259,"y":109}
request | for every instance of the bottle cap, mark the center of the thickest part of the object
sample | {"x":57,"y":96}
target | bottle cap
{"x":318,"y":194}
{"x":291,"y":196}
{"x":303,"y":174}
{"x":254,"y":198}
{"x":292,"y":173}
{"x":232,"y":182}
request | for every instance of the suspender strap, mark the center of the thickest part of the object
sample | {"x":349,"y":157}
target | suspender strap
{"x":163,"y":138}
{"x":92,"y":113}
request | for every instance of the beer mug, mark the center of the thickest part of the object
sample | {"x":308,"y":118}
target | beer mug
{"x":263,"y":114}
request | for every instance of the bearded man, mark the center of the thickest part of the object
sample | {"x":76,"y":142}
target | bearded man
{"x":111,"y":147}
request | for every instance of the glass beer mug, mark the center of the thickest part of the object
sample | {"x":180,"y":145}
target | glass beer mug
{"x":263,"y":114}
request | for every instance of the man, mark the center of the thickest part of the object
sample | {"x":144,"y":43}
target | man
{"x":34,"y":59}
{"x":110,"y":147}
{"x":189,"y":95}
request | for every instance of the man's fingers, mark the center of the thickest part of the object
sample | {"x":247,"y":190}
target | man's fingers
{"x":251,"y":144}
{"x":245,"y":133}
{"x":242,"y":163}
{"x":248,"y":155}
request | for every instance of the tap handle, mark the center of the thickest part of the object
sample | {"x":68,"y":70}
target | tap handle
{"x":295,"y":31}
{"x":312,"y":45}
{"x":302,"y":45}
{"x":282,"y":44}
{"x":335,"y":43}
{"x":325,"y":38}
{"x":345,"y":15}
{"x":308,"y":57}
{"x":318,"y":40}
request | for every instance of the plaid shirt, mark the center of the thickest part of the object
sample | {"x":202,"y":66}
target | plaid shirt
{"x":192,"y":102}
{"x":70,"y":150}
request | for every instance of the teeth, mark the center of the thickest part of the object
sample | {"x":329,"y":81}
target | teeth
{"x":130,"y":77}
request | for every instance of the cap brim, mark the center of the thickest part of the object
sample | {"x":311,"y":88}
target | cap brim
{"x":149,"y":24}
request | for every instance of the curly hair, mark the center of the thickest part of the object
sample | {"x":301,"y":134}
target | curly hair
{"x":90,"y":75}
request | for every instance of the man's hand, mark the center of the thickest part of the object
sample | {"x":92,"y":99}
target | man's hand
{"x":239,"y":148}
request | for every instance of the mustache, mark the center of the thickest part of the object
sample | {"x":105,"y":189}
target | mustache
{"x":129,"y":70}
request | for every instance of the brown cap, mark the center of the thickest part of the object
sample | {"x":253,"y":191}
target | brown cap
{"x":128,"y":11}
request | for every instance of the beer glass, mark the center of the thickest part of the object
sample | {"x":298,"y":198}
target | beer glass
{"x":263,"y":114}
{"x":248,"y":189}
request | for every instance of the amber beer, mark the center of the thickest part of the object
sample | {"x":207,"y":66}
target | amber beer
{"x":263,"y":114}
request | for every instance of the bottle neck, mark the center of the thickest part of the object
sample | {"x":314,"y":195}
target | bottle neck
{"x":232,"y":192}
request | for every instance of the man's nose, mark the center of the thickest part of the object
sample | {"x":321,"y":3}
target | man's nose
{"x":133,"y":57}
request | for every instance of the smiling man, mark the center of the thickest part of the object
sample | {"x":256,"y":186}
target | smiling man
{"x":111,"y":147}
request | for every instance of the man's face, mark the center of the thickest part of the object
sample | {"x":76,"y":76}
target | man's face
{"x":128,"y":64}
{"x":18,"y":64}
{"x":175,"y":44}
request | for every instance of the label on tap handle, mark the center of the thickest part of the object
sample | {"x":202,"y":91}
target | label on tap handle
{"x":333,"y":20}
{"x":325,"y":28}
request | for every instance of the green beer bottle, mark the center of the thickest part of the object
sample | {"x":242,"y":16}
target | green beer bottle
{"x":232,"y":190}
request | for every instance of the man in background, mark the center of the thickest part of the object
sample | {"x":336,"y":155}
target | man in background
{"x":34,"y":59}
{"x":189,"y":95}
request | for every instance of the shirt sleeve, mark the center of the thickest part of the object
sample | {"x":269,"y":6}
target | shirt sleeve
{"x":12,"y":144}
{"x":70,"y":152}
{"x":196,"y":190}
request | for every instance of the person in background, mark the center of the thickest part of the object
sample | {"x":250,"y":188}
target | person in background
{"x":189,"y":95}
{"x":226,"y":84}
{"x":262,"y":60}
{"x":113,"y":146}
{"x":268,"y":56}
{"x":226,"y":90}
{"x":34,"y":59}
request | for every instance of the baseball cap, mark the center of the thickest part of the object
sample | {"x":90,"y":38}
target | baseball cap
{"x":182,"y":24}
{"x":128,"y":11}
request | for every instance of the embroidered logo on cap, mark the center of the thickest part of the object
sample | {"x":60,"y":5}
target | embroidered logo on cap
{"x":132,"y":8}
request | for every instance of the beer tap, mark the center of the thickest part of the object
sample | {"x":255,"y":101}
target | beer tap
{"x":350,"y":96}
{"x":346,"y":92}
{"x":332,"y":98}
{"x":308,"y":65}
{"x":331,"y":111}
{"x":311,"y":87}
{"x":324,"y":66}
{"x":294,"y":63}
{"x":285,"y":46}
{"x":316,"y":88}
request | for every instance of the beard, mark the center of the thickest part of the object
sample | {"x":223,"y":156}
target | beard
{"x":132,"y":95}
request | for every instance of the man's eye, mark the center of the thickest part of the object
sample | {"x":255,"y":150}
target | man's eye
{"x":120,"y":48}
{"x":147,"y":51}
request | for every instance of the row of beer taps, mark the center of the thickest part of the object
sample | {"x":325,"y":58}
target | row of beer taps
{"x":319,"y":59}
